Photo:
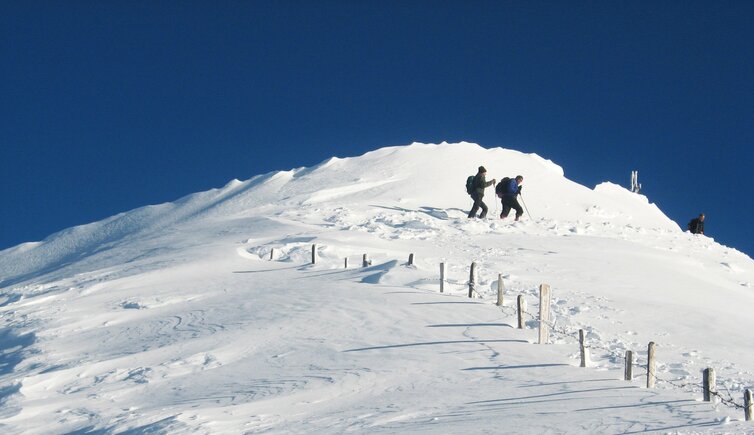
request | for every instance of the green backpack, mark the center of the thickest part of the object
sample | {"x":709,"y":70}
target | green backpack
{"x":470,"y":185}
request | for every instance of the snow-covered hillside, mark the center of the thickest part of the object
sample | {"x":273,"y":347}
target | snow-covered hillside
{"x":206,"y":315}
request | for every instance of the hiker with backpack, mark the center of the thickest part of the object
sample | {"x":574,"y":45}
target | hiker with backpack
{"x":696,"y":226}
{"x":475,"y":186}
{"x":508,"y":190}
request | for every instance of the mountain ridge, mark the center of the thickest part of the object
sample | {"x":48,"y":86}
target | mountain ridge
{"x":207,"y":314}
{"x":546,"y":192}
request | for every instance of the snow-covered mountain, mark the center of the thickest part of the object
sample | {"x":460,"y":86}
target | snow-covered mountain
{"x":205,"y":315}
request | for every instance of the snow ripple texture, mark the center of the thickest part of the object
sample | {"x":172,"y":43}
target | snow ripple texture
{"x":206,"y":315}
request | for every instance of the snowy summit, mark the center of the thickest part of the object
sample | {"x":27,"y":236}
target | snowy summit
{"x":208,"y":315}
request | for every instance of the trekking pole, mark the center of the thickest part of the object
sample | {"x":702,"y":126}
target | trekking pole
{"x":527,"y":208}
{"x":496,"y":199}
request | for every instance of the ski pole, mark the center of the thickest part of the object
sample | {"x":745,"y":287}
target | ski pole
{"x":527,"y":208}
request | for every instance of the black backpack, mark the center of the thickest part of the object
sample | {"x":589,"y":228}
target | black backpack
{"x":501,"y":186}
{"x":470,"y":185}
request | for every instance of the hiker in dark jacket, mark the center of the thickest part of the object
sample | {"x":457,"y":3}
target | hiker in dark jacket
{"x":480,"y":183}
{"x":696,"y":226}
{"x":510,"y":192}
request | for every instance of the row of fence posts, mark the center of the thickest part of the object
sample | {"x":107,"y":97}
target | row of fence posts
{"x":365,"y":259}
{"x":709,"y":380}
{"x":710,"y":389}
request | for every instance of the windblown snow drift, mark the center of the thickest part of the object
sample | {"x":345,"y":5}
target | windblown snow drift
{"x":206,"y":315}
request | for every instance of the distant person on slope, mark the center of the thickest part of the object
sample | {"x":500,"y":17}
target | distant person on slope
{"x":480,"y":183}
{"x":508,"y":191}
{"x":696,"y":226}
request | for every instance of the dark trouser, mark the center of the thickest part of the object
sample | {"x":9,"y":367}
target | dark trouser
{"x":511,"y":202}
{"x":478,"y":203}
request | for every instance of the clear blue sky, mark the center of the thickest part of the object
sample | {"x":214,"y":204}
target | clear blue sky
{"x":106,"y":106}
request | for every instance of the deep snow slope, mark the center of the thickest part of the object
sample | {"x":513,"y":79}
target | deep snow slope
{"x":205,"y":315}
{"x":411,"y":177}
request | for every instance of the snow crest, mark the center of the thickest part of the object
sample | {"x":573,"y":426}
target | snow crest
{"x":208,"y":315}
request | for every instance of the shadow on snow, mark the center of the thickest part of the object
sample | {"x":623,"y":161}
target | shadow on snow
{"x":432,"y":343}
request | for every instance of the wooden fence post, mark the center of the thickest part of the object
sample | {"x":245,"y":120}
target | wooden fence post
{"x":521,"y":303}
{"x":582,"y":349}
{"x":442,"y":277}
{"x":314,"y":253}
{"x":500,"y":290}
{"x":410,"y":259}
{"x":709,"y":385}
{"x":472,"y":274}
{"x":345,"y":263}
{"x":651,"y":374}
{"x":365,"y":261}
{"x":748,"y":405}
{"x":544,"y":314}
{"x":272,"y":253}
{"x":628,"y":374}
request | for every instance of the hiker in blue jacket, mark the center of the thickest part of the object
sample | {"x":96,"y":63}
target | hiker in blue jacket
{"x":509,"y":193}
{"x":480,"y":183}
